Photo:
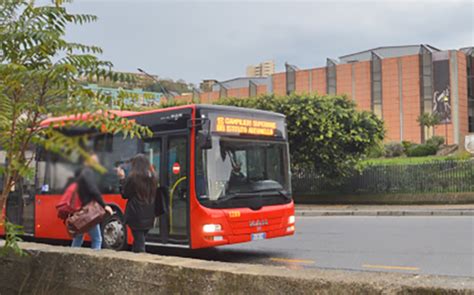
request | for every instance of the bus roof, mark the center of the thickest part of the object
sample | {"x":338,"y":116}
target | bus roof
{"x":125,"y":114}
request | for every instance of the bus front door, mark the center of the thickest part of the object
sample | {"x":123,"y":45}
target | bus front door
{"x":168,"y":155}
{"x":177,"y":183}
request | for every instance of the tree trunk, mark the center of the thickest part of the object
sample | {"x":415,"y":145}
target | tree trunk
{"x":4,"y":196}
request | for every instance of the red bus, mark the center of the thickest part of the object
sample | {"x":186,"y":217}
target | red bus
{"x":225,"y":170}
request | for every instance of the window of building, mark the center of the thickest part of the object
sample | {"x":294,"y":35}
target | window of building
{"x":331,"y":77}
{"x":376,"y":74}
{"x":252,"y":89}
{"x":222,"y":91}
{"x":470,"y":89}
{"x":426,"y":66}
{"x":290,"y":79}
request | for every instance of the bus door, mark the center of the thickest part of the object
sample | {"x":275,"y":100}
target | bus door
{"x":169,"y":156}
{"x":177,"y":184}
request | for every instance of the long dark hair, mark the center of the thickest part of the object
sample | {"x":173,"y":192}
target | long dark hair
{"x":143,"y":178}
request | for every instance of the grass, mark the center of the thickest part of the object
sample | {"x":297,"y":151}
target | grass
{"x":414,"y":160}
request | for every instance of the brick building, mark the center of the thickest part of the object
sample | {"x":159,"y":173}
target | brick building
{"x":398,"y":83}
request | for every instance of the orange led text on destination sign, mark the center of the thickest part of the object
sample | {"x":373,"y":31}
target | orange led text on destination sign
{"x":245,"y":126}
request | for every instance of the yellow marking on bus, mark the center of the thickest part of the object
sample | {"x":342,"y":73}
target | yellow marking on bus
{"x":234,"y":214}
{"x":392,"y":267}
{"x":171,"y":201}
{"x":292,"y":260}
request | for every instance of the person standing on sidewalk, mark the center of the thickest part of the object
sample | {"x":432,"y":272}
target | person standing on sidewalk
{"x":88,"y":191}
{"x":139,"y":188}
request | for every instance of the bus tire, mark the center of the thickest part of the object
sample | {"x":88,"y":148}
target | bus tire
{"x":114,"y":233}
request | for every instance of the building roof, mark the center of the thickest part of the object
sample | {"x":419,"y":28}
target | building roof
{"x":468,"y":49}
{"x":386,"y":52}
{"x":241,"y":82}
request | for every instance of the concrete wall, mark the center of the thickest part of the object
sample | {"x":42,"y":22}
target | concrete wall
{"x":61,"y":270}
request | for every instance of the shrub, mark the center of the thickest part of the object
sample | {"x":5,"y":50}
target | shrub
{"x":422,"y":150}
{"x":393,"y":149}
{"x":436,"y":141}
{"x":407,"y":145}
{"x":376,"y":151}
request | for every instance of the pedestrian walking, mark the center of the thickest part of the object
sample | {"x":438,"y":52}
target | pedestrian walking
{"x":139,"y":188}
{"x":88,"y":191}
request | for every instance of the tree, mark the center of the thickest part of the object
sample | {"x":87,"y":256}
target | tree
{"x":179,"y":86}
{"x":39,"y":78}
{"x":326,"y":133}
{"x":429,"y":121}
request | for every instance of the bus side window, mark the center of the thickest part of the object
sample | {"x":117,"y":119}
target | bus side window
{"x":112,"y":152}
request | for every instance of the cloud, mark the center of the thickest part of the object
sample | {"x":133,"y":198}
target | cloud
{"x":195,"y":40}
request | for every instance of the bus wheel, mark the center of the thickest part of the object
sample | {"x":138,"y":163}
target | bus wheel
{"x":114,"y":233}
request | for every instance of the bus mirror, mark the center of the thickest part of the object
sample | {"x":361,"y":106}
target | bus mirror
{"x":204,"y":139}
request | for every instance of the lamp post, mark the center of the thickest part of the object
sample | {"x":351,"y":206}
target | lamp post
{"x":165,"y":92}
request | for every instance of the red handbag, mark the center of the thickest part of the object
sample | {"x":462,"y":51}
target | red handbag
{"x":83,"y":220}
{"x":69,"y":202}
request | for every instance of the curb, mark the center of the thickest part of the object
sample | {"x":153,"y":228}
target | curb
{"x":385,"y":213}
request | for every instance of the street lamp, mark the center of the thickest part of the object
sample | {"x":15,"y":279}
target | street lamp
{"x":165,"y":92}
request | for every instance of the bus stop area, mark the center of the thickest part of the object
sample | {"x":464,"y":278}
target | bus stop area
{"x":59,"y":270}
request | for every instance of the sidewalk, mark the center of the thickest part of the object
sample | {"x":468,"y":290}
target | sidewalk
{"x":384,"y":210}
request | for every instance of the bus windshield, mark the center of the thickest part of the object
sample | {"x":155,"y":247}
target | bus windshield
{"x":235,"y":168}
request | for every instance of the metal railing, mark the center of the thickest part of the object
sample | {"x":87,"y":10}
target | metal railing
{"x":449,"y":176}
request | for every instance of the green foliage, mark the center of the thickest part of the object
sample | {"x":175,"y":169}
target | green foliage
{"x":376,"y":151}
{"x":178,"y":86}
{"x":407,"y":145}
{"x":326,"y":133}
{"x":436,"y":141}
{"x":393,"y":149}
{"x":429,"y":121}
{"x":13,"y":233}
{"x":422,"y":150}
{"x":39,"y":78}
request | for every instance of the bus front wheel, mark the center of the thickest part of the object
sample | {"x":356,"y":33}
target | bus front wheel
{"x":114,"y":233}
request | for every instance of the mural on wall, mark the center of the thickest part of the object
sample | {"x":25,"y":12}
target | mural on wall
{"x":441,"y":87}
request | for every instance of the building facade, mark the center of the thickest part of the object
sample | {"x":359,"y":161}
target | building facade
{"x":397,"y":83}
{"x":263,"y":69}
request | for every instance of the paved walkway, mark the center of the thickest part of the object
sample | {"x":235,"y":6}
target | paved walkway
{"x":385,"y":210}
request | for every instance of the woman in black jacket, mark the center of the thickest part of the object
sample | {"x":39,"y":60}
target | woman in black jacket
{"x":88,"y":191}
{"x":139,"y":188}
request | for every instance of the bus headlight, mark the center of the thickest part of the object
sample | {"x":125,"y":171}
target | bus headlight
{"x":211,"y":228}
{"x":291,"y":219}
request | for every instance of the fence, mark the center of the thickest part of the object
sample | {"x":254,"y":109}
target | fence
{"x":434,"y":177}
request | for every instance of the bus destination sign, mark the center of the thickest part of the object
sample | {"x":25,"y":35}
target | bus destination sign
{"x":245,"y":126}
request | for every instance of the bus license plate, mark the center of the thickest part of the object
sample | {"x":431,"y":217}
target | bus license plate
{"x":258,"y":236}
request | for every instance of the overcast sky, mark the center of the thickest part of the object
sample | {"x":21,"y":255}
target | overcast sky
{"x":195,"y":40}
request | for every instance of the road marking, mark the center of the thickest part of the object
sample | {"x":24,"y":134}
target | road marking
{"x":390,"y":267}
{"x":292,"y":260}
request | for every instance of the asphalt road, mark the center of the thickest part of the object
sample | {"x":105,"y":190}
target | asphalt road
{"x":427,"y":245}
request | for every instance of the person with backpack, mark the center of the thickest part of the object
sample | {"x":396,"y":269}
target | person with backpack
{"x":139,"y":188}
{"x":88,"y":191}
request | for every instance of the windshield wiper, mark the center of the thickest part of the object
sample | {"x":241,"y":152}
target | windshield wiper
{"x":279,"y":191}
{"x":229,"y":196}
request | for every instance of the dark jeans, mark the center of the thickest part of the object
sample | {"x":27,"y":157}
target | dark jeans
{"x":139,"y":240}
